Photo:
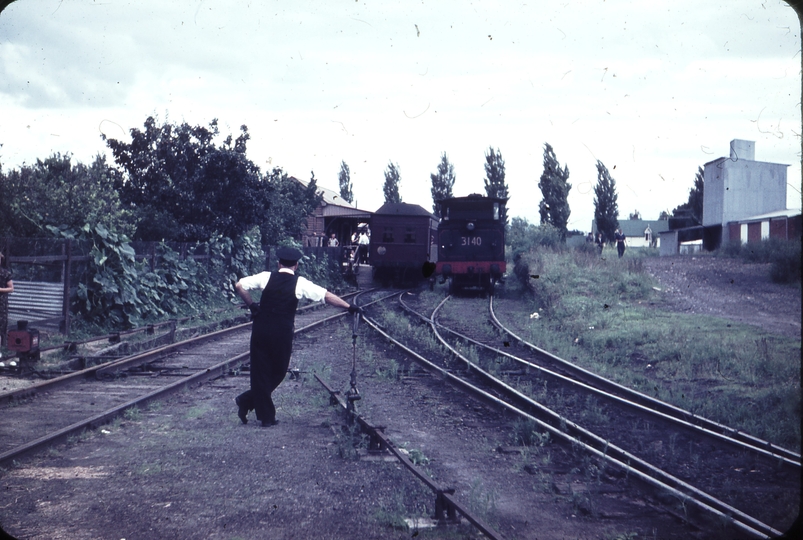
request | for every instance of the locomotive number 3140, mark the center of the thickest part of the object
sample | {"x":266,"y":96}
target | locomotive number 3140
{"x":470,"y":240}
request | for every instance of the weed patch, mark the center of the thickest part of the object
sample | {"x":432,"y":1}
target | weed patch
{"x":605,"y":316}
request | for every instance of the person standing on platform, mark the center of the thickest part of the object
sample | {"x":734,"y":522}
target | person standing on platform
{"x":364,"y":241}
{"x":272,"y":330}
{"x":333,"y":242}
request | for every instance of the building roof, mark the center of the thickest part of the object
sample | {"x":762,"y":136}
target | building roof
{"x":636,"y":227}
{"x":403,"y":209}
{"x":335,"y":205}
{"x":788,"y":212}
{"x":329,"y":196}
{"x":725,"y":159}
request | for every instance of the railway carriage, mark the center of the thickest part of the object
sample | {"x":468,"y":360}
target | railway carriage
{"x":471,"y":242}
{"x":402,"y":241}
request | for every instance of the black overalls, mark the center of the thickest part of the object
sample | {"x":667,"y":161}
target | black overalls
{"x":271,"y":344}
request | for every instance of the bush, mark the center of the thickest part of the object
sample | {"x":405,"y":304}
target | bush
{"x":524,"y":237}
{"x":783,"y":255}
{"x":231,"y":260}
{"x":786,"y":263}
{"x":322,"y":271}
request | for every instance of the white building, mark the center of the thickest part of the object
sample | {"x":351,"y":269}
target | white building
{"x":738,"y":187}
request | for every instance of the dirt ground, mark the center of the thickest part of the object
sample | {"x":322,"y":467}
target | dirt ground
{"x":187,"y":468}
{"x":729,"y":288}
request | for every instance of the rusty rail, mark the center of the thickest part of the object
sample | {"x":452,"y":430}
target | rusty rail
{"x":447,"y":507}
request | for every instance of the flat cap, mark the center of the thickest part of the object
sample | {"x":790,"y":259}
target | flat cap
{"x":289,"y":254}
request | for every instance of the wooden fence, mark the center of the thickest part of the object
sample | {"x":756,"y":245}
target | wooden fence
{"x":46,"y":304}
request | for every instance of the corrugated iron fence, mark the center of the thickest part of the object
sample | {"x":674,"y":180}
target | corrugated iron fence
{"x":46,"y":272}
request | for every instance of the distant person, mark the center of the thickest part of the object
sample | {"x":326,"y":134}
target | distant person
{"x":364,"y":241}
{"x":272,"y":329}
{"x":619,"y":237}
{"x":333,"y":241}
{"x":6,"y":288}
{"x":590,"y":238}
{"x":600,"y":241}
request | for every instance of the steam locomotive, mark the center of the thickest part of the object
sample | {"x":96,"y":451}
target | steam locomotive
{"x":471,"y":242}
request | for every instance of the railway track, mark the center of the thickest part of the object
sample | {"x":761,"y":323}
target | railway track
{"x":720,"y":462}
{"x":39,"y":415}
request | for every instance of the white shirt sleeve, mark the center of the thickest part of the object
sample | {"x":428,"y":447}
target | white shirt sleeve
{"x":304,"y":287}
{"x":257,"y":281}
{"x":307,"y":289}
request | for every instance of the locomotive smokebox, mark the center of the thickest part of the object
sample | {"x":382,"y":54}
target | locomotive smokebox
{"x":24,"y":340}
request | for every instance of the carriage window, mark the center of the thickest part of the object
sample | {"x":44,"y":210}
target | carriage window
{"x":387,"y":237}
{"x":496,"y":210}
{"x":409,"y":235}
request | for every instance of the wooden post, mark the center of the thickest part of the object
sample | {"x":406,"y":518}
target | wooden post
{"x":66,"y":267}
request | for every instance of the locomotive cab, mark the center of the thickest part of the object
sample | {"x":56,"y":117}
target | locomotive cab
{"x":471,"y":242}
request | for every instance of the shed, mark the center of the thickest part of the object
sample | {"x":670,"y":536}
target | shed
{"x":780,"y":225}
{"x":333,"y":215}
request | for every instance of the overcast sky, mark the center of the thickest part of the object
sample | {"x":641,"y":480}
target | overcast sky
{"x":653,"y":89}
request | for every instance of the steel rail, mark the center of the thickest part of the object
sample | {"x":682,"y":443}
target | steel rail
{"x":446,"y":506}
{"x":111,"y":368}
{"x":149,"y":356}
{"x":217,"y":370}
{"x":102,"y":418}
{"x":151,"y":327}
{"x":680,"y":419}
{"x":666,"y":410}
{"x":602,"y":449}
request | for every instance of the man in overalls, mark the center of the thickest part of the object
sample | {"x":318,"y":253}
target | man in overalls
{"x":272,"y":329}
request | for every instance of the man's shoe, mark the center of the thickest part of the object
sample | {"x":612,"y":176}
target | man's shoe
{"x":266,"y":423}
{"x":242,"y":412}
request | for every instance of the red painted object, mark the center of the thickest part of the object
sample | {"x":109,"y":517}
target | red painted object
{"x":23,"y":340}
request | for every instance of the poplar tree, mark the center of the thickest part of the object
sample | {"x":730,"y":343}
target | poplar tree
{"x":495,"y":185}
{"x":442,"y":183}
{"x":694,"y":206}
{"x":606,"y":209}
{"x":554,"y":186}
{"x":392,"y":181}
{"x":345,"y":183}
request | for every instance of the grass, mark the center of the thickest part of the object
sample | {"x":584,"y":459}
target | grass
{"x":482,"y":502}
{"x":605,"y":316}
{"x":348,"y":442}
{"x":132,"y":413}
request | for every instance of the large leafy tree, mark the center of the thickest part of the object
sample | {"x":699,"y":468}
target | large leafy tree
{"x":554,"y":186}
{"x":442,"y":183}
{"x":344,"y":178}
{"x":392,"y":181}
{"x":56,"y":192}
{"x":606,"y":208}
{"x":183,"y":186}
{"x":694,"y":206}
{"x":495,"y":185}
{"x":289,"y":204}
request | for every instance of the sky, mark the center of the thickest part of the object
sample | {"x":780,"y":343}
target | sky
{"x":652,"y":89}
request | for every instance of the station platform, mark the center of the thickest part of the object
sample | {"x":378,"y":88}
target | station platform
{"x":365,"y":277}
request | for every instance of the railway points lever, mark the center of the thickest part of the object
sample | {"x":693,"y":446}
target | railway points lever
{"x":353,"y":394}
